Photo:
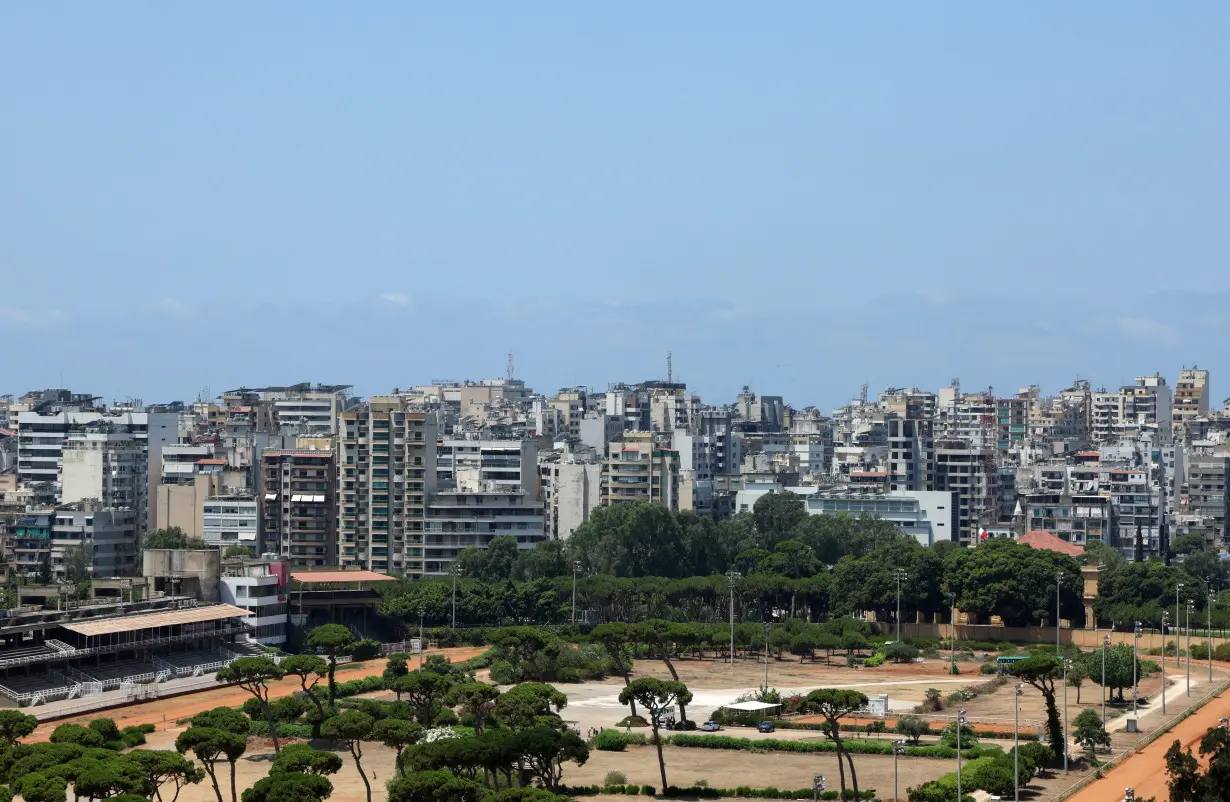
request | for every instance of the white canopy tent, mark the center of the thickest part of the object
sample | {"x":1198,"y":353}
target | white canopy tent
{"x":750,"y":707}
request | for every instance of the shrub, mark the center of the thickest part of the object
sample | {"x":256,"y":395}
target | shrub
{"x":912,"y":727}
{"x":1222,"y":652}
{"x":900,"y":653}
{"x":446,"y":718}
{"x":933,"y":700}
{"x":502,"y":673}
{"x":1200,"y":651}
{"x":366,"y":649}
{"x":988,"y":668}
{"x":874,"y":661}
{"x":615,"y":778}
{"x":1040,"y":754}
{"x":647,"y":790}
{"x":610,"y":741}
{"x":1004,"y":647}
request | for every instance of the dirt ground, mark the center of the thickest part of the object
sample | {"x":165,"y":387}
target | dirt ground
{"x":163,"y":713}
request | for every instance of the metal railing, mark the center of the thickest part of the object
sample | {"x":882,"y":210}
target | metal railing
{"x":8,"y":662}
{"x":59,"y":645}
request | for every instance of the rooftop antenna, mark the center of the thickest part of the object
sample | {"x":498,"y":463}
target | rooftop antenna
{"x":862,"y":395}
{"x":510,"y":364}
{"x":670,"y":368}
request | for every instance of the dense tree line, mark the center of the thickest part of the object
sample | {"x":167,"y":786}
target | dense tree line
{"x":642,"y":561}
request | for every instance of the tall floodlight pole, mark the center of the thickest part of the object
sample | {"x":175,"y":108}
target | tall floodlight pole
{"x":1058,"y":587}
{"x":898,"y":749}
{"x":1135,"y":650}
{"x":1105,"y":646}
{"x":1066,"y":663}
{"x":1165,"y":626}
{"x":454,"y":570}
{"x":767,"y":627}
{"x":576,"y":567}
{"x":1208,"y":626}
{"x":422,"y":612}
{"x":1016,"y":742}
{"x":1190,"y":607}
{"x":1177,"y":588}
{"x":960,"y":724}
{"x":953,"y":636}
{"x":732,"y":577}
{"x":900,"y":575}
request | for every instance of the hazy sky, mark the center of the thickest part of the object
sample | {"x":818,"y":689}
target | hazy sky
{"x":796,"y":195}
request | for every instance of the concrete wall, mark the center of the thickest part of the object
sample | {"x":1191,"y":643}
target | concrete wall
{"x":196,"y":571}
{"x":1084,"y":638}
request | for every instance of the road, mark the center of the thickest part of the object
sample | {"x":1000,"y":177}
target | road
{"x":1145,"y":771}
{"x":163,"y":713}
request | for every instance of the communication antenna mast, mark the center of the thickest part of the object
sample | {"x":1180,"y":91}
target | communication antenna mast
{"x":510,"y":364}
{"x":862,"y":395}
{"x":670,"y":368}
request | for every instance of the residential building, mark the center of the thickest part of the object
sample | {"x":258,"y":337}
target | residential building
{"x":299,"y":505}
{"x":260,"y":588}
{"x":1191,"y":398}
{"x":108,"y":466}
{"x":107,"y":539}
{"x":638,"y":469}
{"x":572,"y":490}
{"x":40,"y":438}
{"x":473,"y":511}
{"x":929,"y":516}
{"x":231,"y":520}
{"x":387,"y":470}
{"x":968,"y":471}
{"x":1079,"y":519}
{"x":1203,"y":503}
{"x":183,"y":505}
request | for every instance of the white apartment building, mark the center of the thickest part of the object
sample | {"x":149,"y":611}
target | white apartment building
{"x":572,"y":491}
{"x":181,"y":462}
{"x":261,"y":590}
{"x":46,"y":538}
{"x":40,"y":438}
{"x":232,"y":520}
{"x":473,"y":512}
{"x":106,"y":466}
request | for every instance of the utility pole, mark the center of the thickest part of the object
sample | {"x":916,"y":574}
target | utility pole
{"x":576,"y":566}
{"x":1190,"y":605}
{"x":455,"y":570}
{"x":1066,"y":736}
{"x":1208,"y":609}
{"x":1016,"y":742}
{"x":898,"y":749}
{"x":422,"y":645}
{"x":1058,"y":586}
{"x":732,"y":576}
{"x":1165,"y":685}
{"x":1135,"y":650}
{"x":900,"y":574}
{"x":953,"y":636}
{"x":1105,"y":645}
{"x":960,"y":724}
{"x":767,"y":626}
{"x":1177,"y":619}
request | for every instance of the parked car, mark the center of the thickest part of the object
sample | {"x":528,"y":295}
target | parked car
{"x":766,"y":726}
{"x":710,"y":726}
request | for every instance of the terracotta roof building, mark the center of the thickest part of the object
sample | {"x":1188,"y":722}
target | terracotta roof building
{"x":1039,"y":539}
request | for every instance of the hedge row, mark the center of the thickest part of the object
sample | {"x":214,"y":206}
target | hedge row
{"x":705,"y":792}
{"x":813,"y":726}
{"x":615,"y":741}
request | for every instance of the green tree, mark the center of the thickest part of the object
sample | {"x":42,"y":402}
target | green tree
{"x":912,"y":727}
{"x":1187,"y":782}
{"x":237,"y":551}
{"x":544,"y":750}
{"x":531,"y":704}
{"x":632,"y":539}
{"x":352,"y":728}
{"x":901,"y":652}
{"x":1009,"y":579}
{"x":310,"y":669}
{"x":396,"y":666}
{"x":425,"y":691}
{"x":303,"y":759}
{"x":253,"y":674}
{"x":39,"y":787}
{"x":161,"y":766}
{"x":15,"y":725}
{"x":173,"y":537}
{"x":289,"y":787}
{"x":113,"y":778}
{"x":1077,"y":674}
{"x":77,"y":734}
{"x":435,"y":786}
{"x":656,"y":695}
{"x":1119,"y":661}
{"x":476,"y":698}
{"x":397,"y":734}
{"x":776,"y":515}
{"x":832,"y":705}
{"x":334,"y":640}
{"x":617,"y":638}
{"x":1088,"y":730}
{"x":1041,"y":671}
{"x":210,"y":745}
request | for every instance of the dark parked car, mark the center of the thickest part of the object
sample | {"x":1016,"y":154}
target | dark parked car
{"x":766,"y":726}
{"x":710,"y":726}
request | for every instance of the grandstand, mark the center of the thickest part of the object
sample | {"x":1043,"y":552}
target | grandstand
{"x":48,"y":655}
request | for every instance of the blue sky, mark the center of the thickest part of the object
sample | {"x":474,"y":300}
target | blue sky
{"x":798,"y":195}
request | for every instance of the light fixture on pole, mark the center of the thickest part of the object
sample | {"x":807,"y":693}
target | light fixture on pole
{"x":960,"y":724}
{"x":767,"y":627}
{"x":817,"y":786}
{"x":1058,"y":587}
{"x":576,"y":568}
{"x":1135,"y":651}
{"x":454,"y":570}
{"x":1177,"y":588}
{"x":1066,"y":737}
{"x":1190,"y":606}
{"x":953,"y":635}
{"x":1208,"y":626}
{"x":422,"y":612}
{"x":900,"y":575}
{"x":1165,"y":685}
{"x":1105,"y":645}
{"x":732,"y":577}
{"x":898,"y":749}
{"x":1016,"y":742}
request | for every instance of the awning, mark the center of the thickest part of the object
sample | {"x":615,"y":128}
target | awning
{"x":339,"y":577}
{"x":132,"y":623}
{"x":750,"y":707}
{"x":247,"y":536}
{"x":271,"y":497}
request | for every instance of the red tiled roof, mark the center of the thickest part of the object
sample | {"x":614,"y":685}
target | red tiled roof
{"x":1040,"y":539}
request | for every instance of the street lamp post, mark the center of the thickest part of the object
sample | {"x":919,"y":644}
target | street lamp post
{"x":1058,"y":586}
{"x":898,"y":749}
{"x":900,"y":575}
{"x":454,"y":570}
{"x":422,"y":612}
{"x":1016,"y":742}
{"x":1066,"y":663}
{"x":767,"y":626}
{"x":733,"y":576}
{"x":1105,"y":645}
{"x":1177,"y":588}
{"x":960,"y":724}
{"x":817,"y":786}
{"x":1190,"y":606}
{"x":1135,"y":649}
{"x":953,"y":636}
{"x":1208,"y":626}
{"x":1165,"y":685}
{"x":576,"y":567}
